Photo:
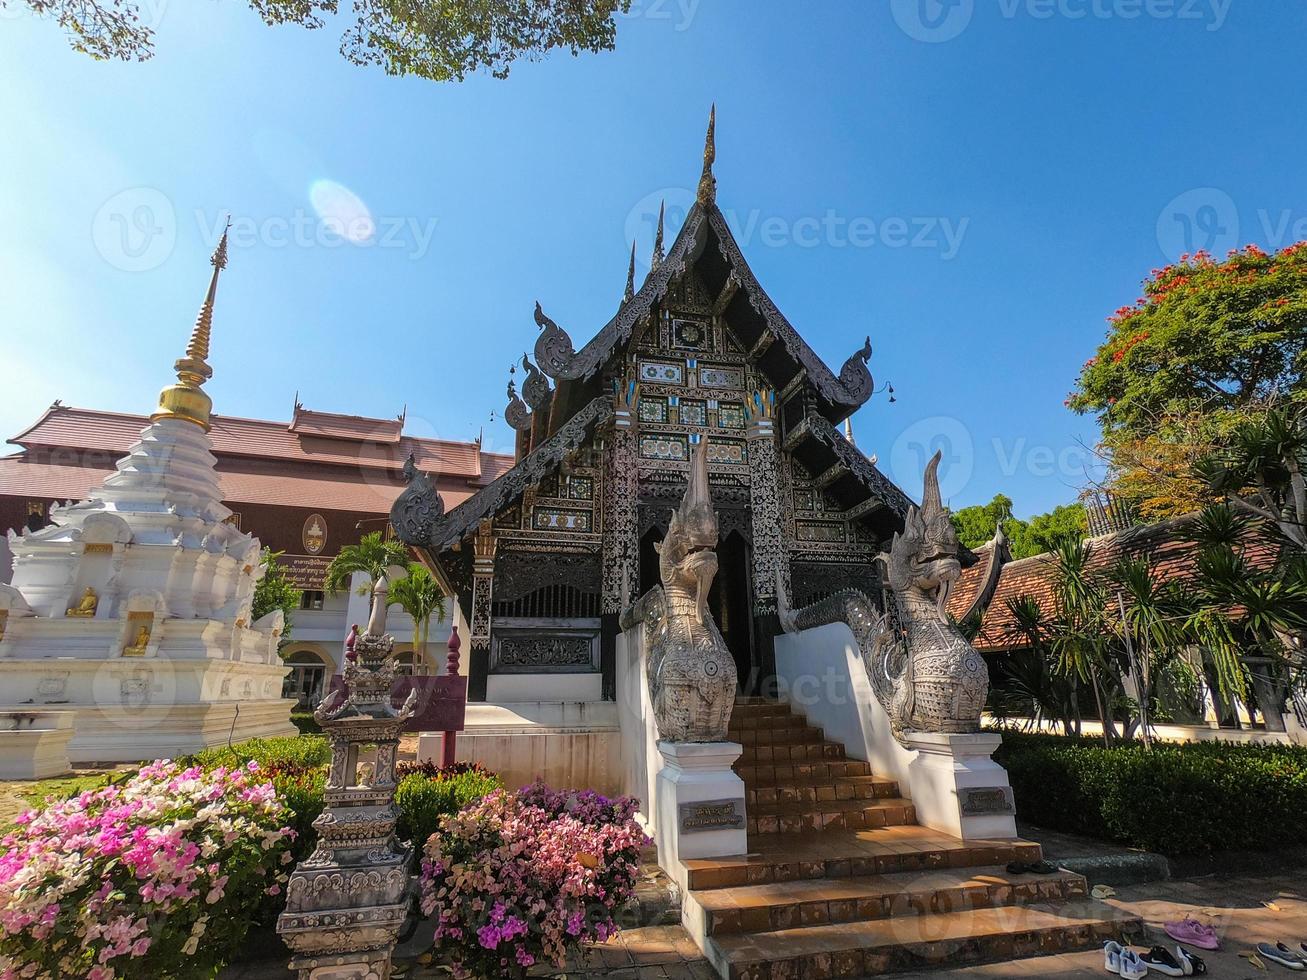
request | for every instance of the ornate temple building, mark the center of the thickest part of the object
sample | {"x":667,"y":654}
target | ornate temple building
{"x":544,"y":558}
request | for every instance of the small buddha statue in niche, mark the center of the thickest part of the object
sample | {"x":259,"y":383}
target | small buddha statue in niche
{"x":139,"y":644}
{"x":87,"y":605}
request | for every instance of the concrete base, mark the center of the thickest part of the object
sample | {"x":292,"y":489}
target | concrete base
{"x":34,"y":745}
{"x":568,"y":744}
{"x":512,"y":688}
{"x":166,"y":731}
{"x":696,"y":772}
{"x":343,"y":966}
{"x":945,"y":769}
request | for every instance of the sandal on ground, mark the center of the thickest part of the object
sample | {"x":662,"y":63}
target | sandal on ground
{"x":1112,"y":956}
{"x":1191,"y":932}
{"x":1161,"y":959}
{"x":1042,"y":868}
{"x":1282,"y":954}
{"x":1017,"y":867}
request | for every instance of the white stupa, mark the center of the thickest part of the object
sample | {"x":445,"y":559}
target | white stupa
{"x":133,"y":608}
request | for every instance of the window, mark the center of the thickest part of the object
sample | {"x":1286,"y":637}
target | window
{"x":311,"y":599}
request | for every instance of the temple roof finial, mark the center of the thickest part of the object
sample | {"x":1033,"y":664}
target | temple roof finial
{"x":186,"y":399}
{"x":630,"y":277}
{"x":848,"y":430}
{"x":707,"y":182}
{"x":657,"y":259}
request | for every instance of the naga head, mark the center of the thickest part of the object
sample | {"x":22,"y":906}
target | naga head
{"x":687,"y":558}
{"x":924,"y":557}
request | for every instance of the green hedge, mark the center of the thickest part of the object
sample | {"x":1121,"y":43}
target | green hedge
{"x":1177,"y":799}
{"x":423,"y":799}
{"x":304,"y":751}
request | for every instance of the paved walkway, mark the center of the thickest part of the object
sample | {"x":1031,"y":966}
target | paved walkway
{"x":1244,"y":910}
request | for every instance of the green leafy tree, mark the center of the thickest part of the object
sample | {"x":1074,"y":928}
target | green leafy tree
{"x":419,"y":594}
{"x":275,"y":591}
{"x":373,"y":555}
{"x":1208,"y":347}
{"x":441,"y":40}
{"x":976,"y":526}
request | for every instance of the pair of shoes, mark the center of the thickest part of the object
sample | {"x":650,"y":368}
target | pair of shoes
{"x":1191,"y":932}
{"x":1038,"y":868}
{"x":1193,"y":963}
{"x":1125,"y":963}
{"x":1282,"y":954}
{"x":1162,"y":960}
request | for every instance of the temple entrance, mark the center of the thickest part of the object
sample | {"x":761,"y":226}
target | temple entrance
{"x":730,"y":600}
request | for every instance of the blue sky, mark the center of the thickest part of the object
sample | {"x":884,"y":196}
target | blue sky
{"x":975,"y":184}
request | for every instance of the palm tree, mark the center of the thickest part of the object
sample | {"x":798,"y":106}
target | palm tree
{"x":373,"y":556}
{"x":1032,"y":675}
{"x":419,"y":594}
{"x":1079,"y":636}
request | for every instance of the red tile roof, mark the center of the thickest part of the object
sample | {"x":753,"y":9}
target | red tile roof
{"x":323,"y":438}
{"x":26,"y":478}
{"x":1171,"y":555}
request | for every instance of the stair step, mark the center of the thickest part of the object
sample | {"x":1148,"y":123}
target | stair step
{"x":796,"y":818}
{"x":806,"y":789}
{"x":806,"y":902}
{"x":770,"y":720}
{"x":789,"y":734}
{"x":856,"y":949}
{"x":846,"y":853}
{"x":798,"y":752}
{"x":779,"y":773}
{"x":756,"y":707}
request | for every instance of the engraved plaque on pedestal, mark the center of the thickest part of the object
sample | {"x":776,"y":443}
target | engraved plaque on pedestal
{"x":981,"y":801}
{"x":705,"y":815}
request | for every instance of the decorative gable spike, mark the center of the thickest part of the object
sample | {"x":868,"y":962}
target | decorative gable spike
{"x":657,"y":259}
{"x":630,"y":277}
{"x":707,"y":182}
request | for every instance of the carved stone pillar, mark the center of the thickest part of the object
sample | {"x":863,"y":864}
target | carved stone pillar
{"x":483,"y":580}
{"x":769,"y":556}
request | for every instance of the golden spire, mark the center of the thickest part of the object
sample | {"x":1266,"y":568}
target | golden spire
{"x":657,"y":258}
{"x":186,"y":399}
{"x":630,"y":276}
{"x":707,"y":182}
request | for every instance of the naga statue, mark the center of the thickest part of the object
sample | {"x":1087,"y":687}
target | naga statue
{"x":692,"y":674}
{"x":925,"y":674}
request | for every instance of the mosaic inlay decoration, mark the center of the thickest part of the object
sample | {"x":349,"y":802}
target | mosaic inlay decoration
{"x":731,"y":415}
{"x":653,"y":409}
{"x":664,"y":447}
{"x":690,"y":334}
{"x":726,"y":451}
{"x":580,"y":487}
{"x":721,"y":377}
{"x":556,"y":519}
{"x":694,"y":412}
{"x":660,"y":372}
{"x":826,"y":533}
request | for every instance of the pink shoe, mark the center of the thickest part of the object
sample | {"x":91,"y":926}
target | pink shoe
{"x":1193,"y":933}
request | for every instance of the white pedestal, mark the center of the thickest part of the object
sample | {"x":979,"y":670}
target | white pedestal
{"x":700,"y":804}
{"x":34,"y":745}
{"x":958,"y":788}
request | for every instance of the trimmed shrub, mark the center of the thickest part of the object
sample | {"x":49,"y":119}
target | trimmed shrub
{"x":423,"y":799}
{"x":1177,"y":799}
{"x":298,"y":751}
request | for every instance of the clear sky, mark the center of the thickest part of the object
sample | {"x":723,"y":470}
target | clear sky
{"x":975,"y":183}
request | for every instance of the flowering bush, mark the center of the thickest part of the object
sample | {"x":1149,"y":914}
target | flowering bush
{"x":527,"y":876}
{"x":151,"y":877}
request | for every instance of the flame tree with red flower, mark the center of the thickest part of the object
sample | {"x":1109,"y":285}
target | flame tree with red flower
{"x":1209,"y":346}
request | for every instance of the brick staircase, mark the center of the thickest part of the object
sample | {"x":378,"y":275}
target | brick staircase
{"x":841,"y":881}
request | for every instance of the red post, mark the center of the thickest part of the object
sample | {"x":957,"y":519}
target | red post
{"x":448,"y":741}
